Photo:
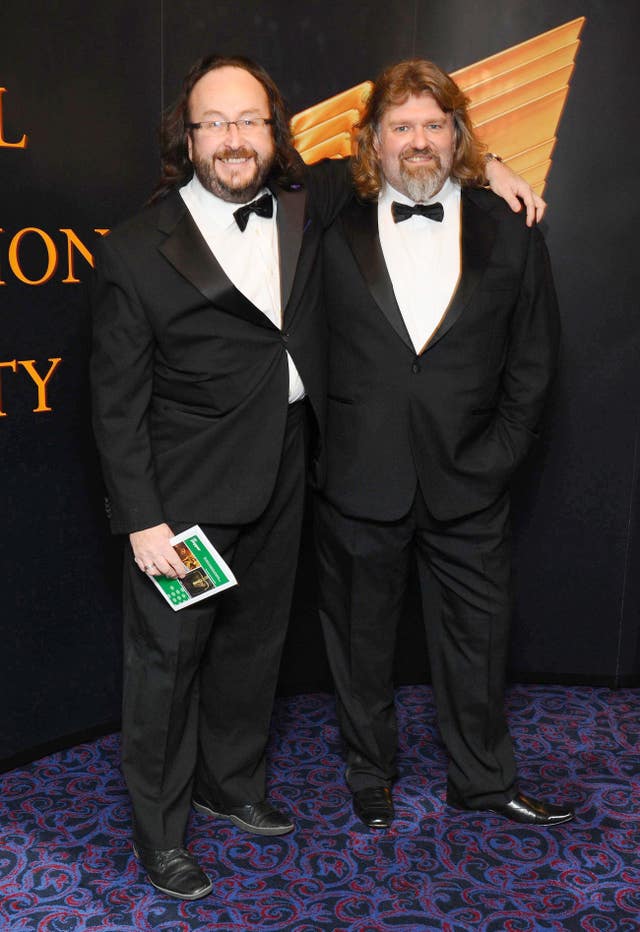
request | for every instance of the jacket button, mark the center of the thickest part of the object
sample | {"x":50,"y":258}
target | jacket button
{"x":415,"y":368}
{"x":285,"y":337}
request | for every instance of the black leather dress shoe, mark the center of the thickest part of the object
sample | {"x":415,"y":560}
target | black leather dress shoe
{"x":522,"y":809}
{"x":374,"y":806}
{"x":259,"y":818}
{"x":174,"y":871}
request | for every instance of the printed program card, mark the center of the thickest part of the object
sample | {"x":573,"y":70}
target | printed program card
{"x":207,"y":573}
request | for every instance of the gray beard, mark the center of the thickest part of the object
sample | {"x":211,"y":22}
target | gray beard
{"x":423,"y":181}
{"x":208,"y":178}
{"x":421,"y":188}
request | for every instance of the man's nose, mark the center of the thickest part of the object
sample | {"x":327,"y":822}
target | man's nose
{"x":233,"y":133}
{"x":420,"y":137}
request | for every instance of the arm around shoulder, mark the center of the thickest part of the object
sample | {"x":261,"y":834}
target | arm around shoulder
{"x":330,"y":187}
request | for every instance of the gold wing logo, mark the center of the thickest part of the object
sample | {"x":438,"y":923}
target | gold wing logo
{"x":516,"y":101}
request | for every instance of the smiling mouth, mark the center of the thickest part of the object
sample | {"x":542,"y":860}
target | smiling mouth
{"x":234,"y":157}
{"x":419,"y":157}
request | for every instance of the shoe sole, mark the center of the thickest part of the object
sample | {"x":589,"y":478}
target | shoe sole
{"x":561,"y":821}
{"x":204,"y":891}
{"x":182,"y":896}
{"x":378,"y":826}
{"x":246,"y":826}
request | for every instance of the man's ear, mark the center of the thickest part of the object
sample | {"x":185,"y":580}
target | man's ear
{"x":189,"y":146}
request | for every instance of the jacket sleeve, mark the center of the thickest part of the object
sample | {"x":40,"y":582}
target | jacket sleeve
{"x":121,"y":372}
{"x":330,"y":187}
{"x":532,"y":352}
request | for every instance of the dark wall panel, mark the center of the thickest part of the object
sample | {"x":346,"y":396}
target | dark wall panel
{"x":83,"y":84}
{"x":312,"y":51}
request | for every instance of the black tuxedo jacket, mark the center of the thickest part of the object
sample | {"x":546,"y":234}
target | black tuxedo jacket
{"x":189,"y":378}
{"x":460,"y":416}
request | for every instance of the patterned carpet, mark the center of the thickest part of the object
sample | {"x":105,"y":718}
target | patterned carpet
{"x":66,"y":863}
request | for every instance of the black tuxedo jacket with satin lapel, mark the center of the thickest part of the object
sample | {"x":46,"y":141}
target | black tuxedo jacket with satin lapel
{"x":189,"y":378}
{"x":460,"y":416}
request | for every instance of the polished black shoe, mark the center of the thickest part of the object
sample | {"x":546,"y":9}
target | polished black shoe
{"x":259,"y":818}
{"x":374,"y":806}
{"x":174,"y":871}
{"x":522,"y":809}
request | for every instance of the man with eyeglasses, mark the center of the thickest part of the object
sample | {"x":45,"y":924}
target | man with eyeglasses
{"x":208,"y":374}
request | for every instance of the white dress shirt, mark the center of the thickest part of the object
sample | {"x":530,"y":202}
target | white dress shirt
{"x":249,"y":258}
{"x":423,"y":259}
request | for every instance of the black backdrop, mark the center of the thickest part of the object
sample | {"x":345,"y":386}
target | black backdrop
{"x":87,"y":86}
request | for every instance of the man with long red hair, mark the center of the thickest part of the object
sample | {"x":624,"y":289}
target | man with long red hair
{"x":443,"y":337}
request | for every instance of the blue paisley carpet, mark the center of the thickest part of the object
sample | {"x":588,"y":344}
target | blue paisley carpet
{"x":66,"y":863}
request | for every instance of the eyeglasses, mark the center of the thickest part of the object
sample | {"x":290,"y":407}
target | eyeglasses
{"x":221,"y":127}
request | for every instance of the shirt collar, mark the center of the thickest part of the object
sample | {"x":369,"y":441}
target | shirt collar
{"x":449,"y":191}
{"x":217,"y":211}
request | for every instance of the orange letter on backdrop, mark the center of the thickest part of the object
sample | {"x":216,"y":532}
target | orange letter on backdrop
{"x":3,"y":143}
{"x":13,"y":365}
{"x":41,"y":383}
{"x":74,"y":240}
{"x":52,"y":256}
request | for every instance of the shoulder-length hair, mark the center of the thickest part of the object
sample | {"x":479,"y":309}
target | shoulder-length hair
{"x":176,"y":167}
{"x":394,"y":86}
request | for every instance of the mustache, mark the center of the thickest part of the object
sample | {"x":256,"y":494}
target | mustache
{"x":427,"y":150}
{"x":242,"y":152}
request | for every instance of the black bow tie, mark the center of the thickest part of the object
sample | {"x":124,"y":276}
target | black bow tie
{"x":263,"y":207}
{"x":401,"y":212}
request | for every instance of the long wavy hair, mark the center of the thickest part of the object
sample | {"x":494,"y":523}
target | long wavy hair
{"x":176,"y":167}
{"x":393,"y":87}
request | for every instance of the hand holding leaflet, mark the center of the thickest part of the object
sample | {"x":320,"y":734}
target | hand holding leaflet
{"x":207,"y":572}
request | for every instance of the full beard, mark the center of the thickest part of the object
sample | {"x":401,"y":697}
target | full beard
{"x":239,"y":189}
{"x":422,"y":182}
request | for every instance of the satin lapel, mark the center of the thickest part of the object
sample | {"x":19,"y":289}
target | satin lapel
{"x":188,"y":253}
{"x":478,"y":235}
{"x":360,"y":224}
{"x":289,"y":221}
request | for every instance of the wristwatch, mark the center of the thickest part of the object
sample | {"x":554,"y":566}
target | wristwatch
{"x":492,"y":157}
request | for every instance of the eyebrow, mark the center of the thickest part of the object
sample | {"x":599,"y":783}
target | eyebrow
{"x":407,"y":122}
{"x":217,"y":114}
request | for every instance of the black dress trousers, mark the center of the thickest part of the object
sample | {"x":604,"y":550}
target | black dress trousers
{"x":464,"y":569}
{"x":199,"y":683}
